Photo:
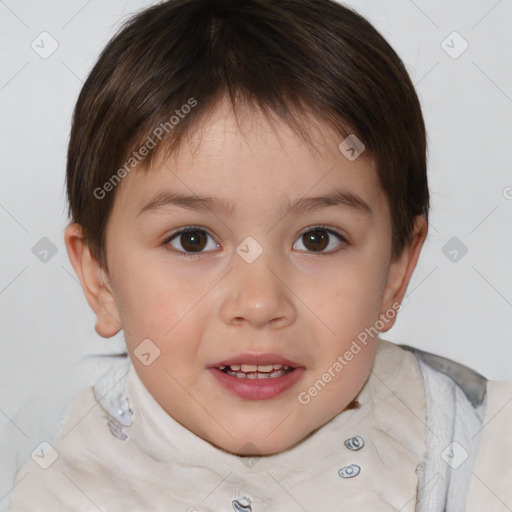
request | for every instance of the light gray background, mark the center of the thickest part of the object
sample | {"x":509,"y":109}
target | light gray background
{"x":460,"y":309}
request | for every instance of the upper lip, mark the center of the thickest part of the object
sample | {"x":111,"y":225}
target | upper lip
{"x":252,"y":358}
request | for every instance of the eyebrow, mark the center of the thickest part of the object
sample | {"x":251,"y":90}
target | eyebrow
{"x":343,"y":198}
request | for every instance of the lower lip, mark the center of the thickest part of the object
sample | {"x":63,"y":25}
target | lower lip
{"x":257,"y":389}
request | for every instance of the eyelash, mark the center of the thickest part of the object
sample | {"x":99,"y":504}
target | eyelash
{"x":187,"y":255}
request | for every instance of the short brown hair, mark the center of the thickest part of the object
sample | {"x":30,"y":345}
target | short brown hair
{"x":288,"y":57}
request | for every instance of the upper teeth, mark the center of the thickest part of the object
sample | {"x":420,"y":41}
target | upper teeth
{"x":265,"y":368}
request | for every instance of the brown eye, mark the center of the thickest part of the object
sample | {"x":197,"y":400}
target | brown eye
{"x":316,"y":240}
{"x":191,"y":241}
{"x":319,"y":239}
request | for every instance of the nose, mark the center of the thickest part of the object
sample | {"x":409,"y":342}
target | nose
{"x":259,"y":296}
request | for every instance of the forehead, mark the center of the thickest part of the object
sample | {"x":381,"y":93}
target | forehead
{"x":249,"y":163}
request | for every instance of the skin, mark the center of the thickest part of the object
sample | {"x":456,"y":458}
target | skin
{"x":295,"y":299}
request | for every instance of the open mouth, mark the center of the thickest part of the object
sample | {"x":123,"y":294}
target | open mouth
{"x":257,"y":376}
{"x":256,"y":371}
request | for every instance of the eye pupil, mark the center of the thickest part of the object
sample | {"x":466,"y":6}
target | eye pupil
{"x":317,"y":236}
{"x":192,"y":240}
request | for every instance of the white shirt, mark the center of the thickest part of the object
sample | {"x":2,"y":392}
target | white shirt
{"x":162,"y":466}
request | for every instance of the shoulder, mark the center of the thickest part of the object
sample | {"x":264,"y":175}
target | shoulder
{"x":66,"y":472}
{"x":490,"y":487}
{"x":491,"y":473}
{"x":472,"y":383}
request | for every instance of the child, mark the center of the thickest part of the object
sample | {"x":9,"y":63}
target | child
{"x":255,"y":378}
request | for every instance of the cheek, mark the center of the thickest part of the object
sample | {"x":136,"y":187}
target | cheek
{"x":350,"y":299}
{"x":154,"y":301}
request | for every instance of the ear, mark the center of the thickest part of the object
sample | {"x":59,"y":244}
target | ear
{"x":94,"y":281}
{"x":400,"y":271}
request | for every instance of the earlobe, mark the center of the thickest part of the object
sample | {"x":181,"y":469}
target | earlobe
{"x":400,"y":272}
{"x":94,"y":280}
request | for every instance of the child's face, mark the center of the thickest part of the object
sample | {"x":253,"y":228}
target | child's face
{"x":304,"y":298}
